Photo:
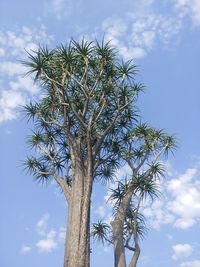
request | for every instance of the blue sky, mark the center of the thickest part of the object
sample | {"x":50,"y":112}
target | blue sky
{"x":164,"y":39}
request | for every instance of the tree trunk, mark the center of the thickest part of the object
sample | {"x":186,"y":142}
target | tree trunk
{"x":135,"y":257}
{"x":77,"y":244}
{"x":119,"y":253}
{"x":117,"y":227}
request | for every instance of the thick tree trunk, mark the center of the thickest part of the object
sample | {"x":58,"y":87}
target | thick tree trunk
{"x":77,"y":237}
{"x":135,"y":257}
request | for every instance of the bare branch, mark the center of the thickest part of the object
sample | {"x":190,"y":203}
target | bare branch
{"x":50,"y":79}
{"x":64,"y":186}
{"x":84,"y":88}
{"x":98,"y":78}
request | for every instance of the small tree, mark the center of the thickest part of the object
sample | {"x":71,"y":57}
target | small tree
{"x":87,"y":106}
{"x":141,"y":149}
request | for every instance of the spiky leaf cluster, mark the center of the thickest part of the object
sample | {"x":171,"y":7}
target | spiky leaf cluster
{"x":143,"y":146}
{"x":87,"y":104}
{"x":101,"y":232}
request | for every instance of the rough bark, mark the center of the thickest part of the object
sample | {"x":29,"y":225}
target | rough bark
{"x":77,"y":236}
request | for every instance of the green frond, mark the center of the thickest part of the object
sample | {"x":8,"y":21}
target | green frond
{"x":105,"y":174}
{"x":141,"y":130}
{"x":30,"y":111}
{"x":38,"y":169}
{"x":157,"y":170}
{"x":105,"y":51}
{"x":118,"y":193}
{"x":31,"y":165}
{"x":171,"y":144}
{"x":36,"y":139}
{"x":84,"y":48}
{"x":66,"y":56}
{"x":138,"y":88}
{"x":34,"y":63}
{"x":127,"y":70}
{"x":100,"y":231}
{"x":135,"y":223}
{"x":147,"y":187}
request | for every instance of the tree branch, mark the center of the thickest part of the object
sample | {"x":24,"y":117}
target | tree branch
{"x":64,"y":186}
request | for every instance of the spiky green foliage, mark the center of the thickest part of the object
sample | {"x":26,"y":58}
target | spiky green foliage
{"x":144,"y":145}
{"x":142,"y":149}
{"x":87,"y":104}
{"x":101,"y":232}
{"x":118,"y":193}
{"x":134,"y":225}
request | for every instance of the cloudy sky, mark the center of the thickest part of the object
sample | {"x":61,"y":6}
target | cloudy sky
{"x":163,"y":37}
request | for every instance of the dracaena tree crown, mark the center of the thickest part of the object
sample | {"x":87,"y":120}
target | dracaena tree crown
{"x":86,"y":105}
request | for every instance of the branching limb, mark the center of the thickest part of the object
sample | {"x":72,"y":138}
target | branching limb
{"x":84,"y":88}
{"x":50,"y":79}
{"x":109,"y":128}
{"x":64,"y":186}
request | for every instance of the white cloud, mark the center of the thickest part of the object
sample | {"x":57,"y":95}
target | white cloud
{"x":195,"y":263}
{"x":180,"y":201}
{"x":64,"y":8}
{"x":15,"y":88}
{"x":2,"y":52}
{"x":189,"y":8}
{"x":137,"y":33}
{"x":9,"y":102}
{"x":157,"y":214}
{"x":181,"y":251}
{"x":185,"y":202}
{"x":58,"y":7}
{"x":16,"y":42}
{"x":42,"y":224}
{"x":24,"y":83}
{"x":10,"y":68}
{"x":48,"y":244}
{"x":25,"y":249}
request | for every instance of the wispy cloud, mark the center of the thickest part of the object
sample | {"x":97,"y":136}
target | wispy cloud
{"x":48,"y":244}
{"x":64,"y":8}
{"x":25,"y":249}
{"x":9,"y":102}
{"x":181,"y":251}
{"x":137,"y":33}
{"x":2,"y":52}
{"x":189,"y":8}
{"x":42,"y":224}
{"x":49,"y":238}
{"x":15,"y":88}
{"x":195,"y":263}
